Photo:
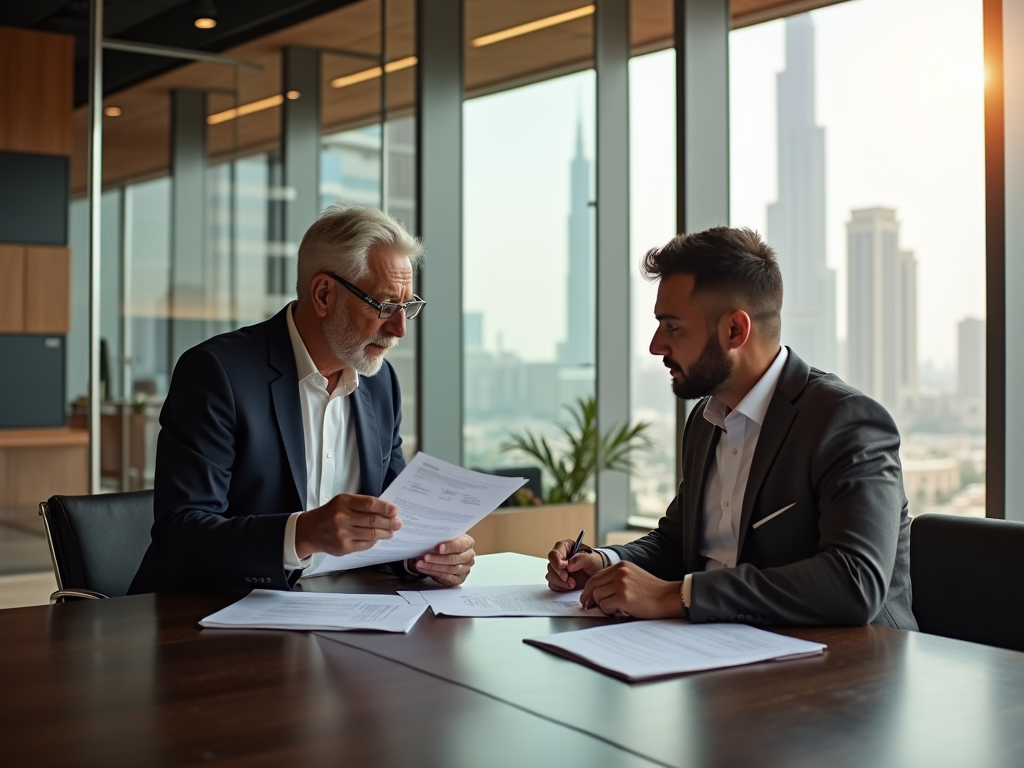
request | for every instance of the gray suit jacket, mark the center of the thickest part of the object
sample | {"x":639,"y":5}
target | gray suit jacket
{"x":839,"y":555}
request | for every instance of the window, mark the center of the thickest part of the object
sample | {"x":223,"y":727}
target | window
{"x":861,"y":159}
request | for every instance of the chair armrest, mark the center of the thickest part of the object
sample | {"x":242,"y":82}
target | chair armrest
{"x":61,"y":595}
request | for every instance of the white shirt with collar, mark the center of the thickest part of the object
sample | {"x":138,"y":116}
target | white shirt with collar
{"x":329,"y":433}
{"x":726,"y":482}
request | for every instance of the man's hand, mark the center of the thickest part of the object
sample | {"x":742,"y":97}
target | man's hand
{"x":566,"y":576}
{"x":449,"y":562}
{"x":347,"y":523}
{"x":628,"y":589}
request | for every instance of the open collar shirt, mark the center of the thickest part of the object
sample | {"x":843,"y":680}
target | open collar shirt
{"x":332,"y":453}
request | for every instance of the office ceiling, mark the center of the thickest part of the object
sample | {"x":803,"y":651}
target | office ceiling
{"x":161,"y":22}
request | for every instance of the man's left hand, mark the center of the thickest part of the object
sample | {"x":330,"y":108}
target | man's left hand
{"x":449,"y":562}
{"x":625,"y":588}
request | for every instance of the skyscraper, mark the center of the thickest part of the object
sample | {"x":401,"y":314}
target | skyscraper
{"x":882,"y":305}
{"x":796,"y":221}
{"x":970,"y":371}
{"x":578,"y":348}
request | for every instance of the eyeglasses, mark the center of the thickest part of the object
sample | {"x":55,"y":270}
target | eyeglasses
{"x":385,"y":309}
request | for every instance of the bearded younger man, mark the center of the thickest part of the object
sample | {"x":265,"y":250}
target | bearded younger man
{"x":791,"y":509}
{"x":277,"y":439}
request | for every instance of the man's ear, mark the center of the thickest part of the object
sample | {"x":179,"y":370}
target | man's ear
{"x":320,"y":293}
{"x":737,"y":329}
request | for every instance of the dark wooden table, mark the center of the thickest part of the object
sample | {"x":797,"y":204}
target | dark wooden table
{"x":135,"y":681}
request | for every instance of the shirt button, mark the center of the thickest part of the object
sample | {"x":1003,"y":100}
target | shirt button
{"x":735,"y":451}
{"x":725,"y":503}
{"x":330,"y":454}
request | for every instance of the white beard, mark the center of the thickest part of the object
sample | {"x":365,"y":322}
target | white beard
{"x":349,"y":347}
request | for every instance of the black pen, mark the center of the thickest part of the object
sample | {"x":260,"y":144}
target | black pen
{"x":576,"y":546}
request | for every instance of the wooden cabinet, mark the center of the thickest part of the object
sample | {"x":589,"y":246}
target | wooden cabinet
{"x":35,"y":289}
{"x":36,"y":81}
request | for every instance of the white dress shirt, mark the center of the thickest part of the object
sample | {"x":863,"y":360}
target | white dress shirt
{"x":726,"y":482}
{"x":332,"y":453}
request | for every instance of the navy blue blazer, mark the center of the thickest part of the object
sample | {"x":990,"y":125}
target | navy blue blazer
{"x":231,"y":461}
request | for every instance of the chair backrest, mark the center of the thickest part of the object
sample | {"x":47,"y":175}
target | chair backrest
{"x":98,"y":541}
{"x":968,"y":577}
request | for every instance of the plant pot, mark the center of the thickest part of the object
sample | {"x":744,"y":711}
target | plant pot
{"x":533,"y":530}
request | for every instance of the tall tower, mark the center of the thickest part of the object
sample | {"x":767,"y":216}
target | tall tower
{"x":882,"y":303}
{"x":578,"y":348}
{"x":796,"y":221}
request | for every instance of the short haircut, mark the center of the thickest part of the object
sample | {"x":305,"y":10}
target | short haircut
{"x":735,"y":268}
{"x":340,"y":241}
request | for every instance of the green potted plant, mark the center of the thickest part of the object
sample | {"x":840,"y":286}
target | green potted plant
{"x":570,"y":466}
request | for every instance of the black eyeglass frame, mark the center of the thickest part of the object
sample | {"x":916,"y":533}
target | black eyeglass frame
{"x":415,"y":305}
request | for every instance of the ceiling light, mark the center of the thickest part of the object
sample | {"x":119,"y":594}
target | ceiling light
{"x":372,"y":72}
{"x":533,"y":26}
{"x":293,"y":95}
{"x":245,"y":109}
{"x":112,"y":111}
{"x":205,"y":14}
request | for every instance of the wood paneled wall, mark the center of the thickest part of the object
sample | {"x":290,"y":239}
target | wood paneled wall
{"x":35,"y":289}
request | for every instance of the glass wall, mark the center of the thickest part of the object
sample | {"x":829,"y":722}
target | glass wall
{"x":864,"y":167}
{"x":528,"y":225}
{"x":528,"y":170}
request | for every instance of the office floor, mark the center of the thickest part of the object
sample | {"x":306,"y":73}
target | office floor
{"x":26,"y":576}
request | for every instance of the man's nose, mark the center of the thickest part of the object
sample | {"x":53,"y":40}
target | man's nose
{"x":657,"y":347}
{"x":395,"y":325}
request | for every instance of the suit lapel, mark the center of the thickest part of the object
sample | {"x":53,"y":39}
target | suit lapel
{"x":284,"y":393}
{"x":368,"y":441}
{"x":777,"y":421}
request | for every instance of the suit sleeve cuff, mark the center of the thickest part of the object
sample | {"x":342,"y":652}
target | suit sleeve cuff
{"x":292,"y":561}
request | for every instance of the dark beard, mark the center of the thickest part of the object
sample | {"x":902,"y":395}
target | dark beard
{"x":706,"y":375}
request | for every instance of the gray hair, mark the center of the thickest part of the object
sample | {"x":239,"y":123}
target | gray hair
{"x":341,"y":239}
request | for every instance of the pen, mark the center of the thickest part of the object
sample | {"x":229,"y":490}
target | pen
{"x":576,"y":546}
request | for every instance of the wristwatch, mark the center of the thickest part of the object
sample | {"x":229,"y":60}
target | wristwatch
{"x":682,"y":599}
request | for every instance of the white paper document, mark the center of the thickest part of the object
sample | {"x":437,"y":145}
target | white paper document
{"x":437,"y":502}
{"x":504,"y":601}
{"x":270,"y":609}
{"x":641,"y":650}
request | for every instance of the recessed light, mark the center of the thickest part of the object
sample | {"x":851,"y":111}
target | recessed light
{"x":293,"y":95}
{"x":112,"y":111}
{"x":205,"y":14}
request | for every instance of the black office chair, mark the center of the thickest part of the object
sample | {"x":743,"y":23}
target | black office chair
{"x":533,"y":481}
{"x":967,"y":575}
{"x":97,"y":542}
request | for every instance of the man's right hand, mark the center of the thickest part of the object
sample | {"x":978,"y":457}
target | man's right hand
{"x":566,"y":576}
{"x":347,"y":523}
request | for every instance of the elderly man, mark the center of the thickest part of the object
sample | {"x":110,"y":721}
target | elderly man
{"x":791,"y":509}
{"x":277,"y":439}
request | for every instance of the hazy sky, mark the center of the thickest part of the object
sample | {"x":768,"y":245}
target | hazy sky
{"x":899,"y":94}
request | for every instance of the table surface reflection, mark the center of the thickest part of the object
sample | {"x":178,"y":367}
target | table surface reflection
{"x":136,"y":681}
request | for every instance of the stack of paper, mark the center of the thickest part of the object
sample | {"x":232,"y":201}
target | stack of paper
{"x":529,"y":600}
{"x":437,"y":502}
{"x":269,"y":609}
{"x":642,"y":650}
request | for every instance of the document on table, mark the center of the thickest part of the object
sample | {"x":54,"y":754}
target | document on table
{"x":642,"y":650}
{"x":527,"y":600}
{"x":270,"y":609}
{"x":437,"y":502}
